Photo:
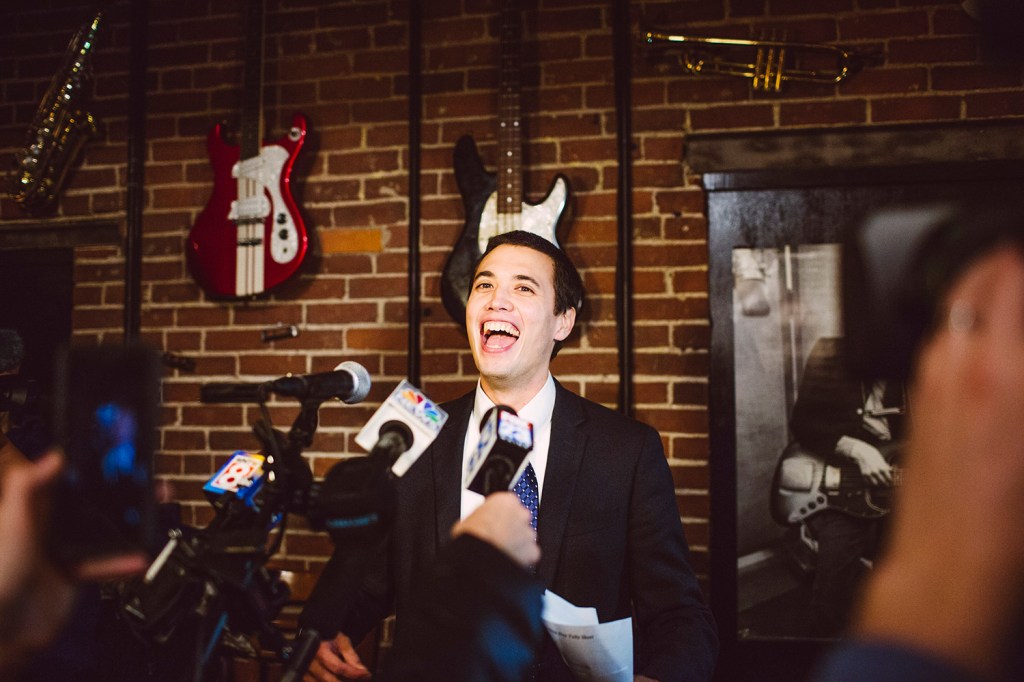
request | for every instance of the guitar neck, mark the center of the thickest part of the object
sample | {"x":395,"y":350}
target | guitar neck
{"x":510,"y":145}
{"x":251,"y":134}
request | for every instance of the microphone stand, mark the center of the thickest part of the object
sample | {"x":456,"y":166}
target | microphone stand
{"x":218,"y":575}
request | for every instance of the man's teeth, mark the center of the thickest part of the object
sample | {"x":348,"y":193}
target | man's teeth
{"x":500,"y":328}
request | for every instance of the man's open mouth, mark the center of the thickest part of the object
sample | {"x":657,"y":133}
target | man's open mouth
{"x":499,"y":335}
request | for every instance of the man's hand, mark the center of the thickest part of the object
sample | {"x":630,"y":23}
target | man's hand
{"x":504,"y":522}
{"x":336,"y":660}
{"x":872,"y":465}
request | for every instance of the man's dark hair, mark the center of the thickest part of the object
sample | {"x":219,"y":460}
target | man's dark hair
{"x":568,"y":283}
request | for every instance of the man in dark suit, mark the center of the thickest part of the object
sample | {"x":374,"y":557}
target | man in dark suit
{"x":839,"y":417}
{"x":607,"y":521}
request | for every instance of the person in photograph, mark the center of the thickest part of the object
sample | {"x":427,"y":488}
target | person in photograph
{"x":850,"y":424}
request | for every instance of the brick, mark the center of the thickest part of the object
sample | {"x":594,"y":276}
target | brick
{"x":882,"y":25}
{"x":823,"y":113}
{"x":210,"y":415}
{"x":925,"y":108}
{"x":360,"y":163}
{"x":165,"y":464}
{"x":694,"y":506}
{"x":924,"y":50}
{"x":373,"y":112}
{"x":734,"y":116}
{"x":705,"y":88}
{"x":975,"y":77}
{"x":578,"y":71}
{"x":393,"y":339}
{"x":690,"y":394}
{"x":690,"y":448}
{"x":341,"y":312}
{"x":994,"y":104}
{"x":693,"y":477}
{"x":873,"y":81}
{"x":227,"y":442}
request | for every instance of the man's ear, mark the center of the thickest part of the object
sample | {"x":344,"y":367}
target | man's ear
{"x":566,"y":321}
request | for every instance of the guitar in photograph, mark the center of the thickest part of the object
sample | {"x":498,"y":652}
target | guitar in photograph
{"x":805,"y":484}
{"x":250,"y":237}
{"x":494,"y":201}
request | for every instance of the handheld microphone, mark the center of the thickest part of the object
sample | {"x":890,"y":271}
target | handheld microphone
{"x":500,"y":458}
{"x":410,"y":407}
{"x":349,"y":382}
{"x":395,"y":439}
{"x":356,"y":499}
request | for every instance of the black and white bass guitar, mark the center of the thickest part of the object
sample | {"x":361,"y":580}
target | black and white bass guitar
{"x":494,"y":202}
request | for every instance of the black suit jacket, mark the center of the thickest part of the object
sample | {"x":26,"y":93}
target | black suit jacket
{"x":608,"y":528}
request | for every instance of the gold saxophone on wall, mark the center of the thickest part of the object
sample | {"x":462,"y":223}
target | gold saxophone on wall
{"x":60,"y":127}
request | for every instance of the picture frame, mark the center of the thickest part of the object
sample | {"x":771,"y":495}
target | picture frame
{"x":775,"y":245}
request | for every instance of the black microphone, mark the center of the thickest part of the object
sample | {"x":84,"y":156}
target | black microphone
{"x":349,"y":382}
{"x":505,"y":441}
{"x":394,"y":439}
{"x":355,"y":501}
{"x":299,"y":654}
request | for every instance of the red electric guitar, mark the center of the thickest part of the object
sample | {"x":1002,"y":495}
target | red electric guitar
{"x":250,"y":237}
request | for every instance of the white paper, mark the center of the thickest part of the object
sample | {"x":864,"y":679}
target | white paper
{"x":594,"y":652}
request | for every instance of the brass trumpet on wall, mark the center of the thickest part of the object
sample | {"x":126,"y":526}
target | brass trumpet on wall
{"x":767,"y":63}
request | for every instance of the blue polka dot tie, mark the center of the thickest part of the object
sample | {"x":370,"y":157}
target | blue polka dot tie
{"x":526,"y":489}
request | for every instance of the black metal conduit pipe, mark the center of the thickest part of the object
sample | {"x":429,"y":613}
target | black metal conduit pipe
{"x":415,"y":118}
{"x":622,"y":41}
{"x":136,"y":173}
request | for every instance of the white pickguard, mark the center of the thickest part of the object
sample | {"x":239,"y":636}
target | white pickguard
{"x":264,"y":171}
{"x":540,"y":219}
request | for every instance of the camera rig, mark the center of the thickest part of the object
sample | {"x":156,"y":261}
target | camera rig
{"x":212,"y":583}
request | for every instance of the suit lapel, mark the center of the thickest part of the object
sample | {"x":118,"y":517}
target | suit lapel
{"x":447,"y":464}
{"x":565,"y":455}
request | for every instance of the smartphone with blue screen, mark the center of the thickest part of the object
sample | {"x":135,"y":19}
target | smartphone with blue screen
{"x":105,"y":407}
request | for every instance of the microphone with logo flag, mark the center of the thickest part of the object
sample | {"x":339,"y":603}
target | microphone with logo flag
{"x":500,"y":458}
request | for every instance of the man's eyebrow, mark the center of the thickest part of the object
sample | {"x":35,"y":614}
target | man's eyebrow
{"x":518,"y":278}
{"x":527,"y":278}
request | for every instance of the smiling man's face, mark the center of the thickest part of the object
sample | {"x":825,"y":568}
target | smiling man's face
{"x":511,"y":322}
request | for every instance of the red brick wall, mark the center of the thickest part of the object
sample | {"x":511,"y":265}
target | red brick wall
{"x":344,"y":64}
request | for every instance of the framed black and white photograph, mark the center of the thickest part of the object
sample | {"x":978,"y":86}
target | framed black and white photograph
{"x":804,"y":453}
